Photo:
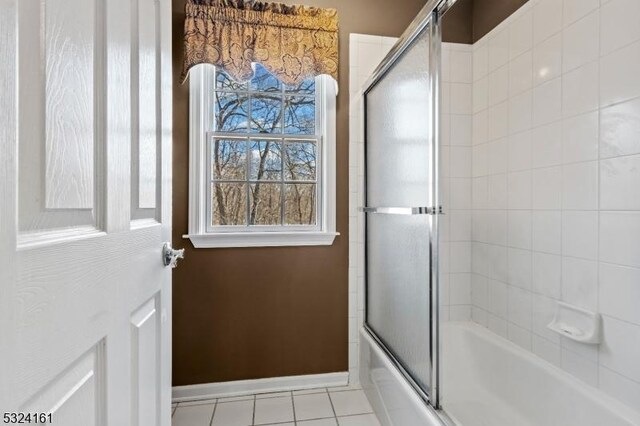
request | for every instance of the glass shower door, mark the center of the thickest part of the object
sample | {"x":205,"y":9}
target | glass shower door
{"x":400,"y":217}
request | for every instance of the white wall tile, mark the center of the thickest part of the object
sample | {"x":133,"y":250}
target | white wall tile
{"x":547,"y":188}
{"x":579,"y":234}
{"x":547,"y":60}
{"x":546,"y":350}
{"x":619,"y":129}
{"x":619,"y":242}
{"x":460,"y":130}
{"x":520,"y":151}
{"x":460,"y":289}
{"x":520,"y":307}
{"x":619,"y":292}
{"x":498,"y":50}
{"x":521,"y":73}
{"x":543,"y":312}
{"x":519,"y":268}
{"x":461,"y":98}
{"x":497,"y":156}
{"x":519,"y":190}
{"x":581,"y":42}
{"x":498,"y":85}
{"x":519,"y":229}
{"x":547,"y":102}
{"x":620,"y":183}
{"x":461,"y":67}
{"x":547,"y":231}
{"x":480,"y":61}
{"x":547,"y":19}
{"x":620,"y":387}
{"x":498,"y":121}
{"x":620,"y":348}
{"x":619,"y":24}
{"x":521,"y":35}
{"x":520,"y":112}
{"x":547,"y":274}
{"x":576,"y":9}
{"x":565,"y":184}
{"x":520,"y":336}
{"x":619,"y":75}
{"x":582,"y":368}
{"x":480,"y":127}
{"x":580,"y":186}
{"x":580,"y":90}
{"x":547,"y":145}
{"x":497,"y":191}
{"x":580,"y":138}
{"x":580,"y":282}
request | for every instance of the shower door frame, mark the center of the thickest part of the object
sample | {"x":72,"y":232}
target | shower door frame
{"x":429,"y":19}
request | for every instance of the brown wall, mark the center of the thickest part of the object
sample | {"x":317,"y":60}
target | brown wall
{"x":263,"y":312}
{"x":487,"y":14}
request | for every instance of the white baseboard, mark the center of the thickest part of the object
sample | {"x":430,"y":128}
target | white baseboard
{"x":244,"y":387}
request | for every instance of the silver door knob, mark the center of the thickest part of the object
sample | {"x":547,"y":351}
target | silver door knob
{"x":170,"y":255}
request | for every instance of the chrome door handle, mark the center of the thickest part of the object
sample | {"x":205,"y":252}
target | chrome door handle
{"x":403,"y":210}
{"x":170,"y":255}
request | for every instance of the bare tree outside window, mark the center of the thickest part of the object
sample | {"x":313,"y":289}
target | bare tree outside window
{"x":264,"y":153}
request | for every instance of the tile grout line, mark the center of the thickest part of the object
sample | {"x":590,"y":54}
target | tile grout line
{"x":215,"y":405}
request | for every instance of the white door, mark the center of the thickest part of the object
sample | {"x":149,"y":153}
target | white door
{"x":85,"y":206}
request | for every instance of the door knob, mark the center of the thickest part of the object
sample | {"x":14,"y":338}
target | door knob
{"x":170,"y":255}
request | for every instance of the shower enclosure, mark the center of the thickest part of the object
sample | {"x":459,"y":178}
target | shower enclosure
{"x":402,"y":203}
{"x":492,"y":253}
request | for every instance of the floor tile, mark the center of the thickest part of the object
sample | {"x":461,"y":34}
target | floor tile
{"x":273,"y":395}
{"x":319,"y":422}
{"x":360,"y":420}
{"x":344,"y":388}
{"x":273,"y":410}
{"x":194,"y":415}
{"x":309,"y":391}
{"x":350,"y":402}
{"x":313,"y":406}
{"x":236,"y":398}
{"x":237,"y":413}
{"x":197,"y":402}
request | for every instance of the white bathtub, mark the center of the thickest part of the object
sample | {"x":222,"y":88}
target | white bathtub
{"x":489,"y":381}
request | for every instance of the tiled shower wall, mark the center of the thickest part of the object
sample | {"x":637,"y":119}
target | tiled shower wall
{"x":556,"y":183}
{"x":365,"y":53}
{"x":541,"y":182}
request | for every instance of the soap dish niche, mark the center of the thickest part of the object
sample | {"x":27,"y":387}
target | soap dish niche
{"x":577,"y":324}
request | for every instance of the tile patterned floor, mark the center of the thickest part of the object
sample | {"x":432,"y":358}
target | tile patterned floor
{"x":342,"y":406}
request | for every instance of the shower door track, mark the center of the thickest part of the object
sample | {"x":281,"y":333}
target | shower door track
{"x":427,"y":19}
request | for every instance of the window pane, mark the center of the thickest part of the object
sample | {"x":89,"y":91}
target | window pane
{"x":263,"y":81}
{"x":266,"y":113}
{"x":300,"y":161}
{"x":224,"y":82}
{"x":266,"y":160}
{"x":228,"y":159}
{"x":229,"y":203}
{"x":300,"y":115}
{"x":265,"y":206}
{"x":232,"y":112}
{"x":307,"y":87}
{"x":300,"y":204}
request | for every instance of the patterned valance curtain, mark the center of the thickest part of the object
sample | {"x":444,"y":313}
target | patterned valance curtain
{"x":292,"y":42}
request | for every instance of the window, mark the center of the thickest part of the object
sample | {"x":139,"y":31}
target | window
{"x":262,"y":157}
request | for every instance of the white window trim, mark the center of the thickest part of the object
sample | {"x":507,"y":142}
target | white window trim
{"x":200,"y":116}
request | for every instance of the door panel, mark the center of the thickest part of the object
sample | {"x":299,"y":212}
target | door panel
{"x":399,"y":174}
{"x":85,"y":300}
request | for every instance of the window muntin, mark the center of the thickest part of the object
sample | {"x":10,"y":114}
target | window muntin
{"x":264,"y":155}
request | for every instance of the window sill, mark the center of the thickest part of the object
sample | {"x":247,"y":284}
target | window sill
{"x":262,"y":239}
